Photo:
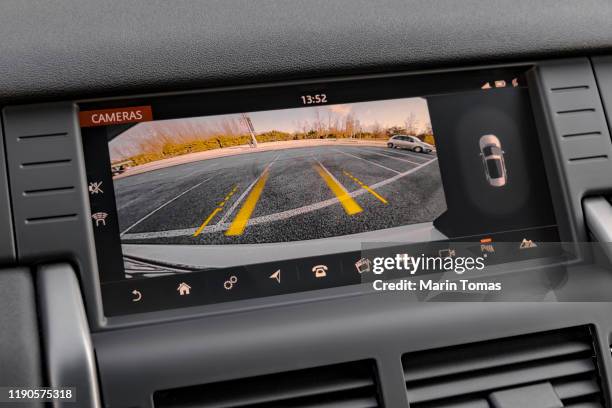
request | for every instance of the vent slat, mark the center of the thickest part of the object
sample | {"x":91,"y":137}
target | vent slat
{"x":511,"y":354}
{"x":352,"y":403}
{"x":468,"y":376}
{"x":266,"y":394}
{"x":575,"y":389}
{"x":364,"y":402}
{"x":487,"y":382}
{"x":585,"y":405}
{"x":478,"y":403}
{"x":343,"y":385}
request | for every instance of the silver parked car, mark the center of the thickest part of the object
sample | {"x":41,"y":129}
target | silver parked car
{"x":409,"y":142}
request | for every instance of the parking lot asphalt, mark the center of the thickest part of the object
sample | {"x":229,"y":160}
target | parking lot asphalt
{"x":279,"y":196}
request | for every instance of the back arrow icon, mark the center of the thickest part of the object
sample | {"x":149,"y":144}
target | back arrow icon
{"x":276,"y":275}
{"x":137,"y":295}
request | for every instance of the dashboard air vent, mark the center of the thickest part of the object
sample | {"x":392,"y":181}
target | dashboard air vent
{"x":344,"y":385}
{"x":547,"y":370}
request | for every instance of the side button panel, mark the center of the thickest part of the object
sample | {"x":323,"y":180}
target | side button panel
{"x":574,"y":118}
{"x":49,"y":194}
{"x":46,"y":183}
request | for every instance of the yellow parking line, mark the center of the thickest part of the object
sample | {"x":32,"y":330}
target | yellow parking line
{"x":350,"y":206}
{"x":215,"y":211}
{"x":367,"y":188}
{"x":205,"y":223}
{"x":242,"y":218}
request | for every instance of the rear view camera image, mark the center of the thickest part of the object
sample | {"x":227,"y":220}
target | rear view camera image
{"x":288,"y":175}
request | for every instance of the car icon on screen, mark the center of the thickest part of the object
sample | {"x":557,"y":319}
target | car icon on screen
{"x":493,"y":160}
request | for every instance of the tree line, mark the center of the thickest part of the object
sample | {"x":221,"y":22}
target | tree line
{"x":161,"y":140}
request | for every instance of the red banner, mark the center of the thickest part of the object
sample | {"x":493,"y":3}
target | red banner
{"x":116,"y":116}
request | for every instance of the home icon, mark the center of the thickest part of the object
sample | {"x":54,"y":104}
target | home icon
{"x":183,"y":289}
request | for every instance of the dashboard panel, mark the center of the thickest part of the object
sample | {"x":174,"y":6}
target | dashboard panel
{"x":243,"y":67}
{"x":83,"y":169}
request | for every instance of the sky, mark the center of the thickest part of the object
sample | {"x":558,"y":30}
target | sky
{"x":392,"y":112}
{"x":386,"y":113}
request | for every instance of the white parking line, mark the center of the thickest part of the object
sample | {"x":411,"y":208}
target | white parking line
{"x":165,"y":204}
{"x":330,"y":173}
{"x":239,"y":200}
{"x":369,"y":161}
{"x":350,"y":206}
{"x":164,"y":186}
{"x":394,"y":157}
{"x":403,"y":152}
{"x":283,"y":215}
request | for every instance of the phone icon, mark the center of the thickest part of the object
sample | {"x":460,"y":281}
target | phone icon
{"x":320,"y":271}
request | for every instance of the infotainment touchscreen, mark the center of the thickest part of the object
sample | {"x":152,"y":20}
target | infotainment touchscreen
{"x":218,"y":196}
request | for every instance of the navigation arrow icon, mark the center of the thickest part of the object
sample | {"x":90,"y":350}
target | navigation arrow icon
{"x":276,"y":275}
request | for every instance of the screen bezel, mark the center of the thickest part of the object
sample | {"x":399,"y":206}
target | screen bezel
{"x":451,"y":76}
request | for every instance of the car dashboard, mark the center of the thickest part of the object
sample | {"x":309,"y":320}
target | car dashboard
{"x":321,"y":204}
